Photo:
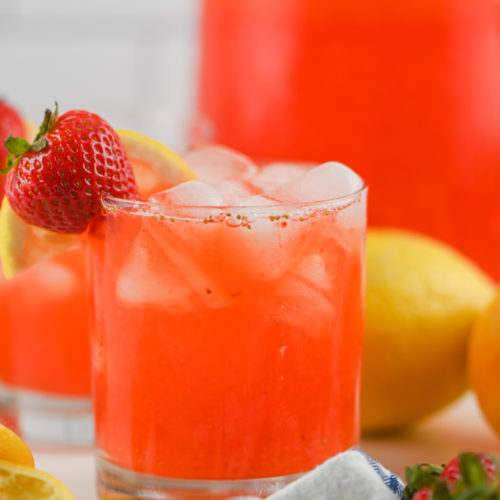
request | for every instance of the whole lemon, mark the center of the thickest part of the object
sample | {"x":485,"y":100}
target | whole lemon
{"x":422,"y":298}
{"x":484,"y":362}
{"x":13,"y":448}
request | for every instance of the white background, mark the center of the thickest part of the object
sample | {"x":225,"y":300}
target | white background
{"x":132,"y":62}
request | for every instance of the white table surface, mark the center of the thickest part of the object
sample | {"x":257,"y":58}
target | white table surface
{"x":459,"y":427}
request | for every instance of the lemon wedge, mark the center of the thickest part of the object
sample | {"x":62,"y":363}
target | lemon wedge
{"x":23,"y":245}
{"x":155,"y":166}
{"x":14,"y":449}
{"x":20,"y":482}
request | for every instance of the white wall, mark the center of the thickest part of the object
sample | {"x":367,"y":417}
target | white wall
{"x":131,"y":61}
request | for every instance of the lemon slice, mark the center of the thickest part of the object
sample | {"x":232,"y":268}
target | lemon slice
{"x":14,"y":449}
{"x":19,"y":482}
{"x":156,"y":167}
{"x":23,"y":245}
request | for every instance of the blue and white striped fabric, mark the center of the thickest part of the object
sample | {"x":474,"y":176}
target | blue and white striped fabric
{"x":389,"y":478}
{"x":351,"y":475}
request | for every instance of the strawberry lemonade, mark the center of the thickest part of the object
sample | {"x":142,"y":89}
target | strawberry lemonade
{"x":46,"y":355}
{"x":228,"y":328}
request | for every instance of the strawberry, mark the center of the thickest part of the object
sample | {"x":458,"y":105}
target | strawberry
{"x":10,"y":124}
{"x":424,"y":493}
{"x":467,"y":476}
{"x":57,"y":182}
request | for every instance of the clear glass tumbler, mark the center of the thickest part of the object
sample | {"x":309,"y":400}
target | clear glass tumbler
{"x":226,"y":344}
{"x":45,"y":359}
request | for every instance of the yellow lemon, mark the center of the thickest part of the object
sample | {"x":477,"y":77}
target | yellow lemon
{"x":484,"y":362}
{"x":13,"y":448}
{"x":156,"y":167}
{"x":22,"y":245}
{"x":422,"y":298}
{"x":18,"y":482}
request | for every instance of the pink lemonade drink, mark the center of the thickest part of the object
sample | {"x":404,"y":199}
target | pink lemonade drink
{"x":45,"y":359}
{"x":228,"y":329}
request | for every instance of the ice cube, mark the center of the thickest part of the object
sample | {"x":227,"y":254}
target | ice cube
{"x":235,"y":189}
{"x":149,"y":278}
{"x":180,"y":200}
{"x":256,"y":201}
{"x":354,"y":215}
{"x":325,"y":182}
{"x":274,"y":175}
{"x":193,"y":251}
{"x":217,"y":163}
{"x":312,"y":271}
{"x":264,"y":243}
{"x":299,"y":307}
{"x":190,"y":193}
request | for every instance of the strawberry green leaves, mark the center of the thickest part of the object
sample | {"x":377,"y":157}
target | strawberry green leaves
{"x":17,"y":146}
{"x":470,"y":476}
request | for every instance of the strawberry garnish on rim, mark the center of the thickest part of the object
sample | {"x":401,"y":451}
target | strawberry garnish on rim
{"x":57,"y":182}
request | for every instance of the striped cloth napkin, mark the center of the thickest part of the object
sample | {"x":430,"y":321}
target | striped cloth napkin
{"x":351,"y":475}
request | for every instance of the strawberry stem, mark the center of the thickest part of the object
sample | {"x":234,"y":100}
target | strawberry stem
{"x":49,"y":120}
{"x":17,"y":146}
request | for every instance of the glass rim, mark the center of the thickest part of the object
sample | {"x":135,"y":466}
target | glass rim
{"x":111,"y":204}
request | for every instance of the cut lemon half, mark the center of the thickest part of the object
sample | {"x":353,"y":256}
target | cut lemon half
{"x":14,"y":449}
{"x":156,"y":168}
{"x":19,"y":482}
{"x":23,"y":245}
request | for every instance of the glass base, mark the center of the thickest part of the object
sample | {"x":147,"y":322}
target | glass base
{"x":49,"y":420}
{"x":120,"y":484}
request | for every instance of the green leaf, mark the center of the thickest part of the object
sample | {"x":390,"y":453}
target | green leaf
{"x":440,"y":491}
{"x":419,"y":476}
{"x":10,"y":163}
{"x":479,"y":493}
{"x":16,"y":145}
{"x":472,"y":470}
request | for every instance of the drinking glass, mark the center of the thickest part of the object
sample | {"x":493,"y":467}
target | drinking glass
{"x":226,"y":344}
{"x":46,"y":351}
